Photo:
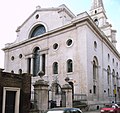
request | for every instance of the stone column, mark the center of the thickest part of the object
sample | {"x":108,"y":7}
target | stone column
{"x":31,"y":65}
{"x":41,"y":95}
{"x":41,"y":63}
{"x":67,"y":90}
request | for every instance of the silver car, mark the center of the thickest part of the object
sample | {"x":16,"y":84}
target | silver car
{"x":64,"y":110}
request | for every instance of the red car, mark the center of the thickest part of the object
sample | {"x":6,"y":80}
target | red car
{"x":111,"y":109}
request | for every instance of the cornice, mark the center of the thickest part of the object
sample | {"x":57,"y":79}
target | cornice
{"x":100,"y":34}
{"x":81,"y":19}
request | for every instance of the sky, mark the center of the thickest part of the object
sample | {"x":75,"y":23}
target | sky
{"x":15,"y":12}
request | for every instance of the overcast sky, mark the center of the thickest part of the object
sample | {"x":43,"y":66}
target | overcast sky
{"x":15,"y":12}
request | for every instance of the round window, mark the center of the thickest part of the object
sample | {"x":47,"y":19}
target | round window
{"x":69,"y":42}
{"x":37,"y":16}
{"x":12,"y":58}
{"x":55,"y":46}
{"x":20,"y":56}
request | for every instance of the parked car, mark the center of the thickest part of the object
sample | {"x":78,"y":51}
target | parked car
{"x":111,"y":109}
{"x":64,"y":110}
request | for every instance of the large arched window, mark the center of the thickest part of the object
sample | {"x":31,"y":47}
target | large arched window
{"x":36,"y":61}
{"x":108,"y":75}
{"x":95,"y":68}
{"x":55,"y":68}
{"x":69,"y":65}
{"x":113,"y":77}
{"x":38,"y":30}
{"x":95,"y":75}
{"x":117,"y":81}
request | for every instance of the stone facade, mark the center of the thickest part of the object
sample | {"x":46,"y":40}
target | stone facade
{"x":20,"y":84}
{"x":74,"y":46}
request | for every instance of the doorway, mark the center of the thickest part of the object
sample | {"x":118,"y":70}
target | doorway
{"x":10,"y":102}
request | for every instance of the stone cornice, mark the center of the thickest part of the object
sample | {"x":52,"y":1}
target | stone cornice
{"x":103,"y":37}
{"x":80,"y":20}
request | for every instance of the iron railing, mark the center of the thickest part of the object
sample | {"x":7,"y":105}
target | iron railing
{"x":80,"y":97}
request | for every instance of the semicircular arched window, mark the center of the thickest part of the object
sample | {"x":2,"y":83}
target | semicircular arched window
{"x":69,"y":66}
{"x":38,"y":30}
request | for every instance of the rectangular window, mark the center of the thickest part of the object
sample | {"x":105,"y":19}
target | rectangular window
{"x":55,"y":68}
{"x":94,"y":89}
{"x":108,"y":92}
{"x":29,"y":65}
{"x":43,"y":63}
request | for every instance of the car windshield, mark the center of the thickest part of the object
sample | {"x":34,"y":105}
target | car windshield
{"x":56,"y":111}
{"x":112,"y":106}
{"x":108,"y":106}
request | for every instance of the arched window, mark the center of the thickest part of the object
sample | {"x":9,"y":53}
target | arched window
{"x":56,"y":89}
{"x":108,"y":75}
{"x":108,"y":92}
{"x":113,"y":76}
{"x":36,"y":61}
{"x":117,"y":81}
{"x":95,"y":75}
{"x":38,"y":30}
{"x":72,"y":85}
{"x":55,"y":68}
{"x":20,"y":71}
{"x":95,"y":68}
{"x":12,"y":71}
{"x":95,"y":44}
{"x":94,"y":89}
{"x":96,"y":21}
{"x":69,"y":66}
{"x":108,"y":57}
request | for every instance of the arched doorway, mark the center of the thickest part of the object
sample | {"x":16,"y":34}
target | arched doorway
{"x":72,"y":85}
{"x":55,"y":96}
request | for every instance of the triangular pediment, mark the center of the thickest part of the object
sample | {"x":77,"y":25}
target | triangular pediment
{"x":61,"y":8}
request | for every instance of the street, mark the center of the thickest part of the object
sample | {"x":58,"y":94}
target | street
{"x":96,"y":111}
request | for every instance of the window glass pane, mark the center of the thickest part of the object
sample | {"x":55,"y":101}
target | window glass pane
{"x":69,"y":66}
{"x":36,"y":63}
{"x":38,"y":31}
{"x":43,"y":63}
{"x":94,"y":89}
{"x":94,"y":70}
{"x":55,"y":68}
{"x":10,"y":102}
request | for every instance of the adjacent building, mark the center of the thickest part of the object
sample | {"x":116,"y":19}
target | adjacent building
{"x":15,"y":92}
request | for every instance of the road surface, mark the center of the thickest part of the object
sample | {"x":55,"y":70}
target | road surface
{"x":97,"y":111}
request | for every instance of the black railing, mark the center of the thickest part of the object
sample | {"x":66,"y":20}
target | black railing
{"x":34,"y":103}
{"x":80,"y":97}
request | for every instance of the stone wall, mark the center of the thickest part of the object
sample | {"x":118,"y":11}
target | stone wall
{"x":23,"y":82}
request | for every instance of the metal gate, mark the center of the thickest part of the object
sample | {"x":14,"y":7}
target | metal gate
{"x":57,"y":97}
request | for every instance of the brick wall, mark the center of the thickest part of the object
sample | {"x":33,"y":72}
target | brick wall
{"x":23,"y":82}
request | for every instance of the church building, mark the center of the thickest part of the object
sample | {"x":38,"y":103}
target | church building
{"x":64,"y":47}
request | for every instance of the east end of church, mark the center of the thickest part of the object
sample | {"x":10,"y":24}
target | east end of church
{"x":63,"y":47}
